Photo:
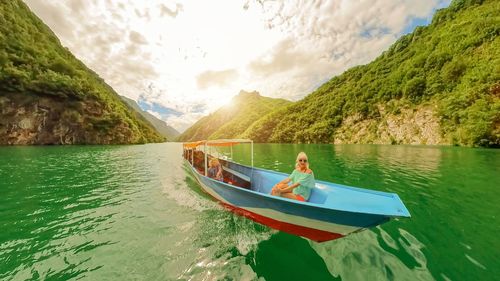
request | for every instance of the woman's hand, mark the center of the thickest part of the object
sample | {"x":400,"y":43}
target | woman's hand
{"x":288,"y":188}
{"x":276,"y":190}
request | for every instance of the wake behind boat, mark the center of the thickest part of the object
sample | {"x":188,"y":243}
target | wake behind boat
{"x":332,"y":211}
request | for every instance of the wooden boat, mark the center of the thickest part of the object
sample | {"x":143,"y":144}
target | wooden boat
{"x":332,"y":211}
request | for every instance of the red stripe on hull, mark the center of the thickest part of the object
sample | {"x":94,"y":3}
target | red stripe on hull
{"x":311,"y":233}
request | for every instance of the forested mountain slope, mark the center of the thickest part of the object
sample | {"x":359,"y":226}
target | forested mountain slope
{"x":160,"y":125}
{"x":233,"y":119}
{"x":47,"y":96}
{"x":437,"y":85}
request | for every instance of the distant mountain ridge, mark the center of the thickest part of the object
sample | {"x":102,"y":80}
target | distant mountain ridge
{"x":160,"y":125}
{"x":437,"y":85}
{"x":232,"y":120}
{"x":48,"y":96}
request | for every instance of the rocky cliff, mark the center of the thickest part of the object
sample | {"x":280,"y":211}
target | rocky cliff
{"x":410,"y":126}
{"x":47,"y":96}
{"x":29,"y":120}
{"x":439,"y":84}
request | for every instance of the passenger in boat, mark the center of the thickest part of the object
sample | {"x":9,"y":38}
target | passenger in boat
{"x":199,"y":160}
{"x":215,"y":170}
{"x":301,"y":179}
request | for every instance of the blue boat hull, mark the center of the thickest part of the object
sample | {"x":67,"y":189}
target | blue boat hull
{"x":317,"y":219}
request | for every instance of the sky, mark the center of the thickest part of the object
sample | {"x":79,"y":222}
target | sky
{"x":181,"y":60}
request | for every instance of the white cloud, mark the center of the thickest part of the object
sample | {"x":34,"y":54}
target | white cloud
{"x":198,"y":54}
{"x":137,"y":38}
{"x":215,"y":78}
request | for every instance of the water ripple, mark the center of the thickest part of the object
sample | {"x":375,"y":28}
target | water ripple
{"x":135,"y":212}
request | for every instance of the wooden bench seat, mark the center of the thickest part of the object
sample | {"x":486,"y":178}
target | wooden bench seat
{"x":238,"y":174}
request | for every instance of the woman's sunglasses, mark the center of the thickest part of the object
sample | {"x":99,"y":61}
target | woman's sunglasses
{"x":303,"y":160}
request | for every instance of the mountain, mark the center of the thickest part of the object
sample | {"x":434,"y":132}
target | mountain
{"x":232,"y":120}
{"x":47,"y":96}
{"x":437,"y":85}
{"x":160,"y":125}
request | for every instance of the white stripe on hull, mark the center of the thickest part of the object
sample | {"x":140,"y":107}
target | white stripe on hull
{"x":287,"y":218}
{"x":306,"y":222}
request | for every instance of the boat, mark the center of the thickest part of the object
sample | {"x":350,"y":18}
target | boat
{"x":332,"y":211}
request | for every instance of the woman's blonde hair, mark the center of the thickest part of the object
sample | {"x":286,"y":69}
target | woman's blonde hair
{"x":213,"y":162}
{"x":299,"y":156}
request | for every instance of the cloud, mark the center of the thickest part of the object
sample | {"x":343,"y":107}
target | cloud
{"x":54,"y":17}
{"x":135,"y":66}
{"x":158,"y":108}
{"x":165,"y":11}
{"x":193,"y":56}
{"x":143,"y":13}
{"x":215,"y":78}
{"x":181,"y":123}
{"x":137,"y":38}
{"x":283,"y":57}
{"x":77,"y":6}
{"x":324,"y":38}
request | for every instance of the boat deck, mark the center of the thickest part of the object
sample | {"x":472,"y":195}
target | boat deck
{"x":326,"y":194}
{"x":332,"y":211}
{"x":230,"y":176}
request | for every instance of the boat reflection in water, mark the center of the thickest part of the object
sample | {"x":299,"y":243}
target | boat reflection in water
{"x":333,"y":210}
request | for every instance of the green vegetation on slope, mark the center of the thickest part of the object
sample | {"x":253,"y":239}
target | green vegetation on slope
{"x":79,"y":106}
{"x":232,"y":120}
{"x":453,"y":64}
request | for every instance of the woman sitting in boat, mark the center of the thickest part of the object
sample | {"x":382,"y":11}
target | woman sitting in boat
{"x":301,"y":179}
{"x":215,"y":170}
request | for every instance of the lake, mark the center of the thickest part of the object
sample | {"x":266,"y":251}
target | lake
{"x":136,"y":213}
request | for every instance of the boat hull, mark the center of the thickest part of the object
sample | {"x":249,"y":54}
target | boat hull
{"x":312,"y":222}
{"x":311,"y":233}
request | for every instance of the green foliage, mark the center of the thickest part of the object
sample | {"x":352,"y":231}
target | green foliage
{"x":56,"y":84}
{"x":414,"y":88}
{"x":453,"y":63}
{"x":106,"y":123}
{"x":33,"y":63}
{"x":231,"y":121}
{"x":453,"y":71}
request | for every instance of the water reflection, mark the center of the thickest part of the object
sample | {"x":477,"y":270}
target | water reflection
{"x":362,"y":257}
{"x":135,"y":212}
{"x":448,"y":190}
{"x":392,"y":156}
{"x":50,"y":205}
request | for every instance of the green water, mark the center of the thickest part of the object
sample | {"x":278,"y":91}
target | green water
{"x":135,"y":213}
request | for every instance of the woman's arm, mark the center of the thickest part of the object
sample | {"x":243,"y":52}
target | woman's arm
{"x":287,"y":180}
{"x":289,"y":188}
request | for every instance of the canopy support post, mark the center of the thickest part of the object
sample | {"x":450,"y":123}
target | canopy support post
{"x":251,"y":151}
{"x":251,"y":171}
{"x":192,"y":156}
{"x":231,"y":152}
{"x":206,"y":159}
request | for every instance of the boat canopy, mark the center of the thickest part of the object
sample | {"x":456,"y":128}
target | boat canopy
{"x":220,"y":142}
{"x":191,"y":146}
